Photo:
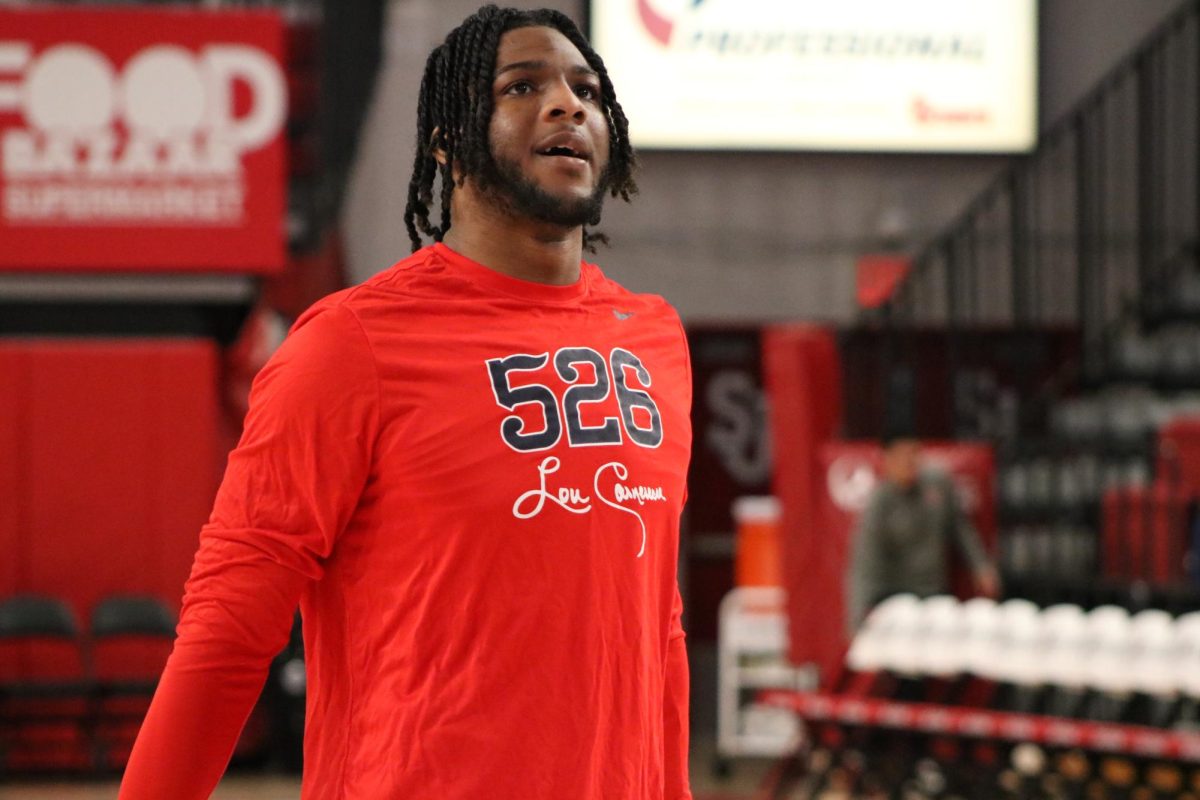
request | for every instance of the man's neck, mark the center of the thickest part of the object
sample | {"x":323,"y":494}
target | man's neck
{"x":517,"y":247}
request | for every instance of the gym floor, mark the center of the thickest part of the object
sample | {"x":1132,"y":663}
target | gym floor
{"x":740,"y":785}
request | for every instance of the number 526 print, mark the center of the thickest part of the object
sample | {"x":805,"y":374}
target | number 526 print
{"x":610,"y":373}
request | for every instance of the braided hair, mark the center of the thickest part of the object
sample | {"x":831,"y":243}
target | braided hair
{"x":454,"y":112}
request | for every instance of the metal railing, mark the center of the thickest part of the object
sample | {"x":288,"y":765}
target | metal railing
{"x":1097,"y":226}
{"x":1095,"y":231}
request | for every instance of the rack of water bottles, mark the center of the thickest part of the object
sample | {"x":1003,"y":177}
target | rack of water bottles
{"x":942,"y":698}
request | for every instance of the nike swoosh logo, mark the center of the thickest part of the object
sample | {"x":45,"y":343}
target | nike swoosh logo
{"x":622,"y":315}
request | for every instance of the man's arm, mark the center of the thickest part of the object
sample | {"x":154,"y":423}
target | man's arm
{"x":228,"y":635}
{"x":675,"y":709}
{"x":289,"y":489}
{"x":867,"y":564}
{"x":970,"y":545}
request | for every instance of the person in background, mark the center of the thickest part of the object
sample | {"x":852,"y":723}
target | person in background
{"x":900,"y":543}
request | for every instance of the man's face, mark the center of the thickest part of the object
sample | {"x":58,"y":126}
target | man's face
{"x":902,"y":461}
{"x":549,"y":131}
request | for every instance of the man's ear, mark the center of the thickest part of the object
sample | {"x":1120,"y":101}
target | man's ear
{"x":438,"y":153}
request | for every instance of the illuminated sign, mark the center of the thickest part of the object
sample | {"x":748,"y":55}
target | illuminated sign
{"x":932,"y":75}
{"x":141,"y":139}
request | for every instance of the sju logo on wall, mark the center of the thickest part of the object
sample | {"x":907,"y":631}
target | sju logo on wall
{"x":659,"y":17}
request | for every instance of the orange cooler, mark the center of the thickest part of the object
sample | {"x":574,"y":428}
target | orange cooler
{"x":758,"y":560}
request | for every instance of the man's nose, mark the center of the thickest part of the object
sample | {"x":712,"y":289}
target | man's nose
{"x":561,"y":101}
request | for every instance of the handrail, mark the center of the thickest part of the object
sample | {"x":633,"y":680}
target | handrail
{"x":1083,"y":226}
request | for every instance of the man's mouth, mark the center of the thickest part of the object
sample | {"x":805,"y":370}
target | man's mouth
{"x":563,"y":151}
{"x":565,"y":144}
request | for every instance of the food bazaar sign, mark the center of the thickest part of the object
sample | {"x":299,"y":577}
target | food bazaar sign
{"x":141,"y":139}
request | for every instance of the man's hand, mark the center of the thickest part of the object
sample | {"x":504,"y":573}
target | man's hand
{"x":987,"y":582}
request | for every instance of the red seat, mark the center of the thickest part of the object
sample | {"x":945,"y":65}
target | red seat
{"x":44,"y":687}
{"x":131,"y":637}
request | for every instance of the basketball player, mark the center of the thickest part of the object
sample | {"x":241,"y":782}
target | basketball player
{"x":469,"y":472}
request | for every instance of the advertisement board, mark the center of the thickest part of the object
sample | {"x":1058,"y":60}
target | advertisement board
{"x":141,"y":139}
{"x":857,"y":75}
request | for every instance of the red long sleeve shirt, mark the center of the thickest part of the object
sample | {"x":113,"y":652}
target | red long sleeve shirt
{"x":472,"y":484}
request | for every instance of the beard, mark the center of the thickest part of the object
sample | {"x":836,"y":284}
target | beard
{"x":513,"y":193}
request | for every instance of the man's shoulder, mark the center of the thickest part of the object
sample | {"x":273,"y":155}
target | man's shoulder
{"x":399,"y":277}
{"x":606,"y":289}
{"x":380,"y":287}
{"x":330,"y":310}
{"x":325,"y":351}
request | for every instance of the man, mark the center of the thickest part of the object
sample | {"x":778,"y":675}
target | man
{"x":469,"y":471}
{"x":901,"y":539}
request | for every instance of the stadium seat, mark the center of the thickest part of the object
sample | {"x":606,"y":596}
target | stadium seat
{"x":131,"y":637}
{"x":1079,"y":419}
{"x":866,"y":651}
{"x":1187,"y":660}
{"x":942,"y":654}
{"x":1018,"y":659}
{"x":1108,"y":672}
{"x":902,"y":639}
{"x":44,"y":686}
{"x":1151,"y":661}
{"x":980,"y":618}
{"x":1065,"y":634}
{"x":1066,"y":639}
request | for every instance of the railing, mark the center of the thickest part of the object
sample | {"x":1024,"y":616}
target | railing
{"x":1097,"y":231}
{"x":1097,"y":227}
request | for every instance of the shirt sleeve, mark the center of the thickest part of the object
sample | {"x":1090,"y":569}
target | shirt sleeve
{"x":289,"y":489}
{"x":867,"y":563}
{"x":675,"y":708}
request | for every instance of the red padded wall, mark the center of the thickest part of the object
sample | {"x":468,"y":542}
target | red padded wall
{"x":109,"y":461}
{"x":12,"y":402}
{"x":802,"y":373}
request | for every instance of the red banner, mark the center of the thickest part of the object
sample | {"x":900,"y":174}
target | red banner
{"x":143,"y":139}
{"x":877,"y":278}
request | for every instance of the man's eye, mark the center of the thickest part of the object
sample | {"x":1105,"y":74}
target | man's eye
{"x":587,"y":91}
{"x":520,"y":87}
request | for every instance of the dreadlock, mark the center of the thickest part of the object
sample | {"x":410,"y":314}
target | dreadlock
{"x":455,"y":109}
